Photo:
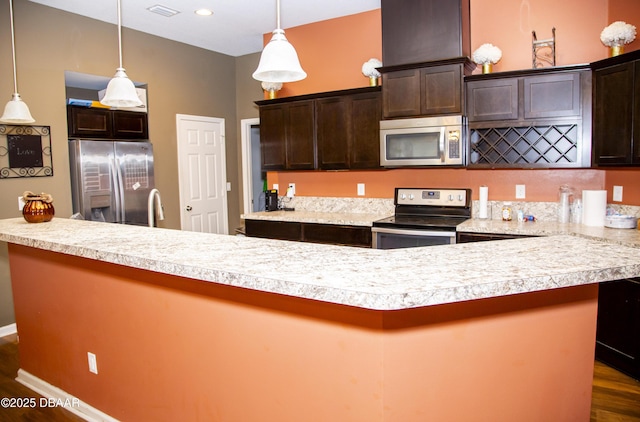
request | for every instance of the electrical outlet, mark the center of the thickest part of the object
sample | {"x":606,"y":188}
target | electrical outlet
{"x":360,"y":189}
{"x":291,"y":190}
{"x":20,"y":203}
{"x":228,"y":186}
{"x":275,"y":186}
{"x":520,"y":192}
{"x":93,"y":363}
{"x":617,"y":193}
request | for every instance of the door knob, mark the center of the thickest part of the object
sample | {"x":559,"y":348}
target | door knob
{"x":189,"y":208}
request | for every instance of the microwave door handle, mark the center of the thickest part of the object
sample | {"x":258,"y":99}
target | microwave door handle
{"x":442,"y":144}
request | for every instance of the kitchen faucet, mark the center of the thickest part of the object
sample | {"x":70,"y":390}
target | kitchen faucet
{"x":154,"y":207}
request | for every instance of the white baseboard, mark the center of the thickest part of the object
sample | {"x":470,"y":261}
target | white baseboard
{"x":7,"y":330}
{"x":75,"y":406}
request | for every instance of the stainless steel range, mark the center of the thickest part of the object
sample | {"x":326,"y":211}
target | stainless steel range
{"x":423,"y":217}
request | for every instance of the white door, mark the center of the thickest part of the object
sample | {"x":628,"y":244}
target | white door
{"x":202,"y":174}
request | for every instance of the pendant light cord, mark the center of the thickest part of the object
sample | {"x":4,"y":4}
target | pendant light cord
{"x":120,"y":33}
{"x":13,"y":49}
{"x":278,"y":14}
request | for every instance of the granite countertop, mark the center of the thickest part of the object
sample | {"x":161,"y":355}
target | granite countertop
{"x":366,"y":278}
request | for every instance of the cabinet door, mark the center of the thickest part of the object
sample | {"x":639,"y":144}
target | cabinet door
{"x":440,"y":90}
{"x":400,"y":93}
{"x":333,"y":123}
{"x":89,"y":122}
{"x":618,"y":332}
{"x":272,"y":137}
{"x":494,"y":99}
{"x":548,"y":96}
{"x":300,"y":135}
{"x":283,"y":230}
{"x":130,"y":125}
{"x":635,"y":158}
{"x":366,"y":110}
{"x":613,"y":115}
{"x":406,"y":24}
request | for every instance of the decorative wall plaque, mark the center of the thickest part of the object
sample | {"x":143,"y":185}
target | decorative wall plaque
{"x":25,"y":151}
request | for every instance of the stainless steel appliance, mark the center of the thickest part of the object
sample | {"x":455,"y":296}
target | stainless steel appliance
{"x":111,"y":180}
{"x":424,"y":141}
{"x":423,"y":217}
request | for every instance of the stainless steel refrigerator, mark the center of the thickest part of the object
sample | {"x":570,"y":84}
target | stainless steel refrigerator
{"x":111,"y":180}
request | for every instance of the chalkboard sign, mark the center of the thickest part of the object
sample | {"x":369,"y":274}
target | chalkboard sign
{"x":25,"y":151}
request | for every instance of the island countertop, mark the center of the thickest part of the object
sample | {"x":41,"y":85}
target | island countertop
{"x":365,"y":278}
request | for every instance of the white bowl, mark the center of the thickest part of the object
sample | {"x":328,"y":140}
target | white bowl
{"x":621,"y":222}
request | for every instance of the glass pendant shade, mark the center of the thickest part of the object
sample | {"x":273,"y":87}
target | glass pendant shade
{"x":121,"y":92}
{"x":279,"y":61}
{"x":16,"y":111}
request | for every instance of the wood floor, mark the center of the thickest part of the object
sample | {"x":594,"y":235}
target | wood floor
{"x":616,"y":397}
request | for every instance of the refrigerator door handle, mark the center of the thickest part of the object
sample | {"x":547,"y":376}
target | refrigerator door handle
{"x":120,"y":190}
{"x":116,"y":190}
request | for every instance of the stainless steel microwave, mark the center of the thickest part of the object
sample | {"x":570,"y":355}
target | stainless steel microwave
{"x":424,"y":141}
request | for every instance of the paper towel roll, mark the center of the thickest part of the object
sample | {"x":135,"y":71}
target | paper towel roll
{"x":483,"y":208}
{"x":594,"y":207}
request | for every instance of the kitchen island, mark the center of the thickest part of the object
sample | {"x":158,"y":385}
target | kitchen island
{"x":191,"y":326}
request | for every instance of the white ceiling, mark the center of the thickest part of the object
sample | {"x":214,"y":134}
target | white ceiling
{"x":235,"y":28}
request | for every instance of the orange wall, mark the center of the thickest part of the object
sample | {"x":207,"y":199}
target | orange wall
{"x":332,"y":53}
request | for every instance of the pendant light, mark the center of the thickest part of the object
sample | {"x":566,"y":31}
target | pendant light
{"x":279,"y":60}
{"x":16,"y":110}
{"x":120,"y":91}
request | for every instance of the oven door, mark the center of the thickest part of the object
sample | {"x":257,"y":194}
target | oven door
{"x":386,"y":238}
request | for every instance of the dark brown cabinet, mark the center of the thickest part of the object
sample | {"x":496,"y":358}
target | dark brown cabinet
{"x":537,"y":118}
{"x":310,"y":232}
{"x":415,"y":31}
{"x":347,"y":129}
{"x":468,"y":237}
{"x":287,"y":136}
{"x":99,"y":123}
{"x":327,"y":131}
{"x":425,"y":89}
{"x":618,"y":332}
{"x":616,"y":137}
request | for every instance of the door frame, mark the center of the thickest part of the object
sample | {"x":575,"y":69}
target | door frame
{"x":179,"y":119}
{"x":247,"y":172}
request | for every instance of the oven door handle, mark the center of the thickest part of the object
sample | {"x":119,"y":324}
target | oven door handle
{"x":422,"y":233}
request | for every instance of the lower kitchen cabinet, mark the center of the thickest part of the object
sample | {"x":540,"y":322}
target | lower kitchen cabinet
{"x":465,"y":237}
{"x":310,"y":232}
{"x":618,"y":332}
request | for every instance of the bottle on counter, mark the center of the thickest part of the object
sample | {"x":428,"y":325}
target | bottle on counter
{"x":507,"y":212}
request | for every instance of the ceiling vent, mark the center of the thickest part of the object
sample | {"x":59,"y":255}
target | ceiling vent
{"x":163,"y":10}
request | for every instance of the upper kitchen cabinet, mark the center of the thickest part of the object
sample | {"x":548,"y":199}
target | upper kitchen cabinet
{"x":416,"y":31}
{"x":287,"y":136}
{"x":533,"y":119}
{"x":424,"y":89}
{"x":616,"y":119}
{"x":348,"y":129}
{"x":327,"y":131}
{"x":100,"y":123}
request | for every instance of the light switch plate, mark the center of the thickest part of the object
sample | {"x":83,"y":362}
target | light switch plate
{"x":520,"y":192}
{"x":617,"y":193}
{"x":20,"y":203}
{"x":360,"y":189}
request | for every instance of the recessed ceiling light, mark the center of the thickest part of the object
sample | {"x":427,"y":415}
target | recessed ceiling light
{"x":163,"y":10}
{"x":204,"y":12}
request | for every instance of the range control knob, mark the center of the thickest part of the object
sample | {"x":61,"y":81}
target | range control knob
{"x":403,"y":196}
{"x":411,"y":196}
{"x":450,"y":197}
